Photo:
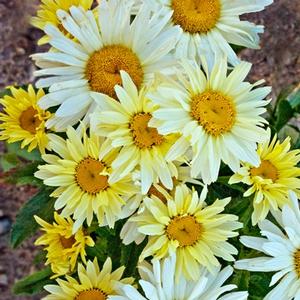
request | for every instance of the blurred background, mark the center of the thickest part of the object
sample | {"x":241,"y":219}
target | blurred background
{"x":278,"y":62}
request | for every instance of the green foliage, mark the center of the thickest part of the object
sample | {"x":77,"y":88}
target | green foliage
{"x":294,"y":99}
{"x":8,"y":161}
{"x":25,"y":226}
{"x":109,"y":244}
{"x":259,"y":285}
{"x":34,"y":283}
{"x":24,"y":174}
{"x":15,"y":157}
{"x":284,"y":113}
{"x":15,"y":148}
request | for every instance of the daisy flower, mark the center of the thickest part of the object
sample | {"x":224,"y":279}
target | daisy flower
{"x":158,"y":282}
{"x":47,"y":14}
{"x":23,"y":120}
{"x":185,"y":225}
{"x":62,"y":246}
{"x":125,"y":123}
{"x":217,"y":114}
{"x":83,"y":179}
{"x":272,"y":180}
{"x":211,"y":26}
{"x":129,"y":232}
{"x":92,"y":283}
{"x":282,"y":250}
{"x":93,"y":61}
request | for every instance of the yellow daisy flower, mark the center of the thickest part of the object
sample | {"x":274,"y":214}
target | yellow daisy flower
{"x":185,"y":225}
{"x":92,"y":283}
{"x":47,"y":14}
{"x":125,"y":123}
{"x":82,"y":172}
{"x":23,"y":120}
{"x":129,"y":232}
{"x":63,"y":247}
{"x":273,"y":178}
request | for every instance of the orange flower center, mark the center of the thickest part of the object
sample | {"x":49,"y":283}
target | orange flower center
{"x":196,"y":16}
{"x":144,"y":136}
{"x":104,"y":66}
{"x":266,"y":170}
{"x":88,"y":176}
{"x":93,"y":294}
{"x":67,"y":242}
{"x":29,"y":120}
{"x":214,"y":112}
{"x":185,"y":229}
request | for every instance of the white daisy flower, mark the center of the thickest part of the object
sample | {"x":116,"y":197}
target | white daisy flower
{"x":103,"y":46}
{"x":159,"y":283}
{"x":217,"y":114}
{"x":282,"y":248}
{"x":211,"y":26}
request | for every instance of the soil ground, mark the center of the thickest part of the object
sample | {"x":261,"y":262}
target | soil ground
{"x":278,"y":62}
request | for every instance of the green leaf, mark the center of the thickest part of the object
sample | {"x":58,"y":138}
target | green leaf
{"x":129,"y":258}
{"x":25,"y":226}
{"x":289,"y":131}
{"x":259,"y":285}
{"x":15,"y":148}
{"x":284,"y":113}
{"x":294,"y":100}
{"x":8,"y":161}
{"x":24,"y":174}
{"x":100,"y":250}
{"x":241,"y":279}
{"x":5,"y":92}
{"x":34,"y":283}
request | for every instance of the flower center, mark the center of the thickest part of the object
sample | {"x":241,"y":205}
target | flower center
{"x":185,"y":229}
{"x":104,"y":66}
{"x":93,"y":294}
{"x":88,"y":176}
{"x":29,"y":120}
{"x":266,"y":170}
{"x":196,"y":16}
{"x":214,"y":112}
{"x":297,"y":262}
{"x":144,"y":136}
{"x":67,"y":243}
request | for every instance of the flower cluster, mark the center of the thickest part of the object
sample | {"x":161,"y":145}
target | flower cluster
{"x":139,"y":107}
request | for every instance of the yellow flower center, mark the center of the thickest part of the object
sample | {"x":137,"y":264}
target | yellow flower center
{"x":93,"y":294}
{"x":104,"y":66}
{"x":214,"y":112}
{"x":185,"y":229}
{"x":266,"y":170}
{"x":196,"y":16}
{"x":29,"y":120}
{"x":297,"y":262}
{"x":67,"y":242}
{"x":144,"y":136}
{"x":88,"y":176}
